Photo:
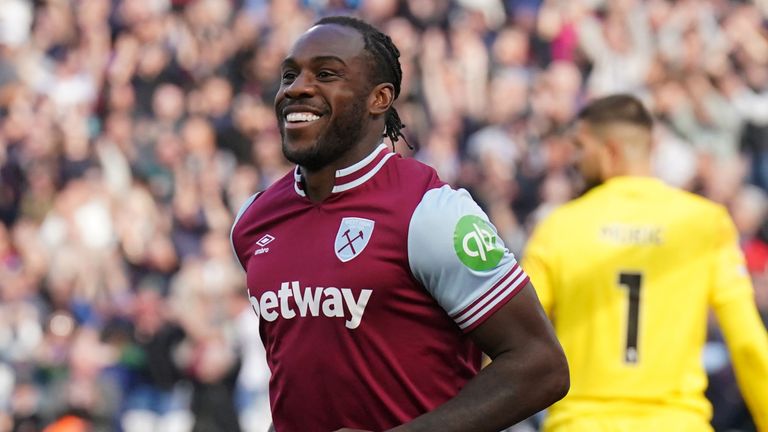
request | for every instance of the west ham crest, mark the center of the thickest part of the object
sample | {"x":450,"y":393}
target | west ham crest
{"x":353,"y":236}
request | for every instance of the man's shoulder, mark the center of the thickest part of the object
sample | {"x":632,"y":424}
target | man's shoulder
{"x":699,"y":202}
{"x":281,"y":188}
{"x":688,"y":203}
{"x":649,"y":191}
{"x":414,"y":174}
{"x":659,"y":202}
{"x":413,"y":166}
{"x":568,"y":212}
{"x":275,"y":194}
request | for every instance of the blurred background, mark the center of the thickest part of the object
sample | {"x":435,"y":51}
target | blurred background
{"x":132,"y":130}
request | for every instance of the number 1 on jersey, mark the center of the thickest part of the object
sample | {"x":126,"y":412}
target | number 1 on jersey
{"x":632,"y":281}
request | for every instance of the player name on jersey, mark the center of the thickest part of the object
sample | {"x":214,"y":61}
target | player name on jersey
{"x":331,"y":302}
{"x":630,"y":234}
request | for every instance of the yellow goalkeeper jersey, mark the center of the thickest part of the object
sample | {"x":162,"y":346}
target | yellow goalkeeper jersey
{"x":627,"y":273}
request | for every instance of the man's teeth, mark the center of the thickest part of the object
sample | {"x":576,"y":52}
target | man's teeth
{"x":301,"y":117}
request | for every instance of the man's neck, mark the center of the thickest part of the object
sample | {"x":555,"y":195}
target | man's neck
{"x":318,"y":184}
{"x":636,"y":169}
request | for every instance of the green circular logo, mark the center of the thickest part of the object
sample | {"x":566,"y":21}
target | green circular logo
{"x":476,"y":243}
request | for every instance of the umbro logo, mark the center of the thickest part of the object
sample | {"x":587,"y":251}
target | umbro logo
{"x":267,"y":239}
{"x":263,"y":242}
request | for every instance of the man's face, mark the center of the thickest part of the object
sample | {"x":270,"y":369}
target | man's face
{"x":322,"y":104}
{"x":589,"y":149}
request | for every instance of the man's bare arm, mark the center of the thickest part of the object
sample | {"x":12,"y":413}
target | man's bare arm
{"x":529,"y":372}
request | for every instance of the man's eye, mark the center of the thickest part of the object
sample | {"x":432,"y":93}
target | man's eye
{"x":325,"y":74}
{"x":289,"y":76}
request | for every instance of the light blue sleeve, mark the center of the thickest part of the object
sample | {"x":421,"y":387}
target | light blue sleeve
{"x":456,"y":253}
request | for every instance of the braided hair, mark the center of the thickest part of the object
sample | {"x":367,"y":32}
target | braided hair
{"x":385,"y":56}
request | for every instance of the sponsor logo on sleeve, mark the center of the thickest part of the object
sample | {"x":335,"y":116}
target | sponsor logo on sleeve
{"x":353,"y":236}
{"x":476,"y":243}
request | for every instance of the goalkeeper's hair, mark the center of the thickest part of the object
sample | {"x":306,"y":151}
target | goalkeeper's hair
{"x":618,"y":108}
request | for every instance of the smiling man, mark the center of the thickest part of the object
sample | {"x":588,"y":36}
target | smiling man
{"x":376,"y":285}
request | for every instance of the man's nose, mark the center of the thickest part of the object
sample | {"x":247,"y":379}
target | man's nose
{"x":301,"y":87}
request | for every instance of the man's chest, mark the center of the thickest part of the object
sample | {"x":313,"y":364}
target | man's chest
{"x":340,"y":264}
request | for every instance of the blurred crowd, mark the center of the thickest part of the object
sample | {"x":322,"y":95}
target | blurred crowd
{"x":132,"y":130}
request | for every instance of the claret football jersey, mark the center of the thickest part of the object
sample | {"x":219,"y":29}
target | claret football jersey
{"x":365,"y":299}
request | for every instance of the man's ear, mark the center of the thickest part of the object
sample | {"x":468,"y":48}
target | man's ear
{"x":613,"y":146}
{"x":611,"y":155}
{"x":381,"y":98}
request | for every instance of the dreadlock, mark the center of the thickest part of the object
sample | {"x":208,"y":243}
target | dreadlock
{"x":384,"y":55}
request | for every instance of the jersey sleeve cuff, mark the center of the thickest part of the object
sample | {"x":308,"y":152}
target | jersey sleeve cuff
{"x":492,"y":300}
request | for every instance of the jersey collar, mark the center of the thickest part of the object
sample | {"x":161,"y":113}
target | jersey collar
{"x":633,"y":182}
{"x":352,"y":176}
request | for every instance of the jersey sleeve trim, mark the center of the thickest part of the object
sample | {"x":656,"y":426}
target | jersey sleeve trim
{"x":242,"y":210}
{"x":492,"y":300}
